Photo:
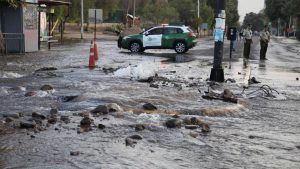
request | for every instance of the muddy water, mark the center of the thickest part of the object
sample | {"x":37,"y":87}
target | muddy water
{"x":259,"y":132}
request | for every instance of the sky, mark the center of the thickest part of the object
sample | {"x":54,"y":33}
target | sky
{"x":247,"y":6}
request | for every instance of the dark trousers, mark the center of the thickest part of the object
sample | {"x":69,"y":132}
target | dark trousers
{"x":247,"y":47}
{"x":263,"y":49}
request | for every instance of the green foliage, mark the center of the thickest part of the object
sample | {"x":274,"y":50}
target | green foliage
{"x":159,"y":13}
{"x":115,"y":28}
{"x":232,"y":15}
{"x":257,"y":21}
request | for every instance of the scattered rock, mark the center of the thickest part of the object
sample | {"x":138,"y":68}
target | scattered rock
{"x":30,"y":94}
{"x":86,"y":122}
{"x":228,"y":96}
{"x":46,"y":88}
{"x":176,"y":116}
{"x":253,"y":81}
{"x":65,"y":119}
{"x":130,"y":142}
{"x":297,"y":78}
{"x":154,"y":85}
{"x":194,"y":134}
{"x":101,"y":126}
{"x":27,"y":124}
{"x":84,"y":114}
{"x":52,"y":119}
{"x":191,"y":127}
{"x":74,"y":153}
{"x":251,"y":137}
{"x":68,"y":98}
{"x":38,"y":115}
{"x":9,"y":119}
{"x":136,"y":137}
{"x":149,"y":106}
{"x":239,"y":73}
{"x":32,"y":136}
{"x":103,"y":109}
{"x":140,"y":127}
{"x":12,"y":115}
{"x":113,"y":107}
{"x":173,"y":123}
{"x":298,"y":147}
{"x":205,"y":128}
{"x":53,"y":111}
{"x":83,"y":129}
{"x":196,"y":121}
{"x":47,"y":69}
{"x":230,"y":80}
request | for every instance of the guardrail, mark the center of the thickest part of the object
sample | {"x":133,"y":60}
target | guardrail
{"x":16,"y":39}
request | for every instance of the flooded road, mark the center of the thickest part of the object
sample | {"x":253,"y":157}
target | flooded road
{"x":260,"y":131}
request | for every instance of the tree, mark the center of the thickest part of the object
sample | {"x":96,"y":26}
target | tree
{"x":159,"y":13}
{"x":257,"y":21}
{"x":232,"y":15}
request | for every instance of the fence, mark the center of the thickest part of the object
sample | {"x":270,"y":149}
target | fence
{"x":12,"y":42}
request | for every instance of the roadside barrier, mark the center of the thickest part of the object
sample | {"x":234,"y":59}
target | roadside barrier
{"x":96,"y":50}
{"x":92,"y":62}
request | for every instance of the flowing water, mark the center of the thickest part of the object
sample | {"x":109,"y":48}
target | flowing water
{"x":261,"y":131}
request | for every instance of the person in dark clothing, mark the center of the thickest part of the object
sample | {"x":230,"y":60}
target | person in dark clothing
{"x":247,"y":34}
{"x":264,"y":41}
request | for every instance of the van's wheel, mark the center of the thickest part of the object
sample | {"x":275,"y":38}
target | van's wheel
{"x":135,"y":47}
{"x":180,"y":47}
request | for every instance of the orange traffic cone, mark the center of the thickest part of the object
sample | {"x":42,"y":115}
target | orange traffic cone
{"x":92,"y":63}
{"x":96,"y":51}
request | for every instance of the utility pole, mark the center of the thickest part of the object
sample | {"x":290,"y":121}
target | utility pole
{"x":81,"y":19}
{"x":217,"y":72}
{"x":198,"y":9}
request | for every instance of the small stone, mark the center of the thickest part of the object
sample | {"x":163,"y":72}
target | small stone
{"x":239,"y":73}
{"x":113,"y":107}
{"x":86,"y":121}
{"x":84,"y":114}
{"x":12,"y":115}
{"x":101,"y":126}
{"x":52,"y":119}
{"x":46,"y":88}
{"x":196,"y":121}
{"x":149,"y":106}
{"x":65,"y":119}
{"x":140,"y":127}
{"x":194,"y":134}
{"x":103,"y":109}
{"x":297,"y":78}
{"x":205,"y":128}
{"x":38,"y":115}
{"x":130,"y":142}
{"x":9,"y":119}
{"x":56,"y":128}
{"x":154,"y":85}
{"x":53,"y":111}
{"x":74,"y":153}
{"x":173,"y":123}
{"x":29,"y":94}
{"x":227,"y":94}
{"x":136,"y":137}
{"x":298,"y":147}
{"x":176,"y":116}
{"x":191,"y":127}
{"x":251,"y":137}
{"x":27,"y":124}
{"x":32,"y":136}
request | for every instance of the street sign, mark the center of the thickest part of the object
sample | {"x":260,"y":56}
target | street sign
{"x":99,"y":15}
{"x":294,"y":28}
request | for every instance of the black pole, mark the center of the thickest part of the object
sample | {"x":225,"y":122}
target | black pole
{"x":95,"y":26}
{"x":49,"y":29}
{"x":39,"y":27}
{"x":217,"y":72}
{"x":231,"y":48}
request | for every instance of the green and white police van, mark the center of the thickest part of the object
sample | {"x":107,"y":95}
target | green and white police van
{"x":179,"y":38}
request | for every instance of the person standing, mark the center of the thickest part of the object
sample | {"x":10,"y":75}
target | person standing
{"x":264,"y":41}
{"x":247,"y":34}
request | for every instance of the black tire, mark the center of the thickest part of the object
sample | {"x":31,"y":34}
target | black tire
{"x":180,"y":47}
{"x":135,"y":47}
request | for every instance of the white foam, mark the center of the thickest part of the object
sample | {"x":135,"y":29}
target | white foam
{"x":10,"y":75}
{"x":141,"y":71}
{"x":149,"y":118}
{"x":3,"y":91}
